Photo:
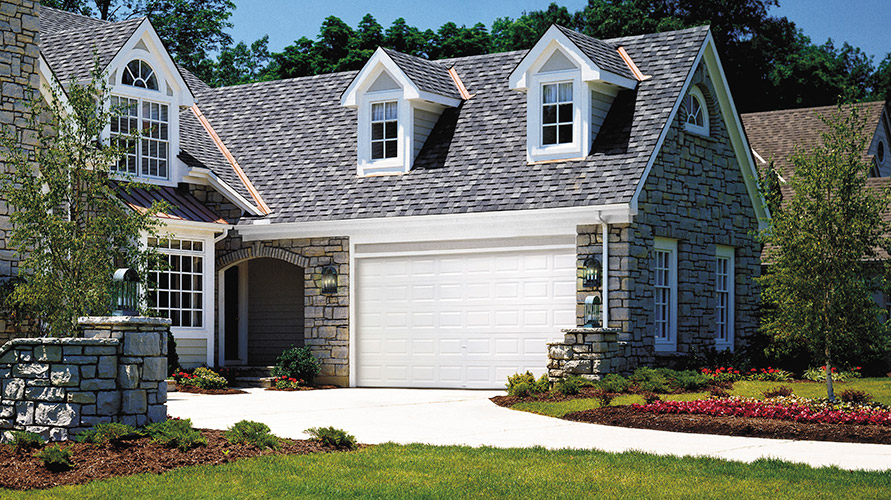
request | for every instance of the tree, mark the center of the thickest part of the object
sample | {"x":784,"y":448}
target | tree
{"x":241,"y":64}
{"x":68,"y":225}
{"x":824,"y":240}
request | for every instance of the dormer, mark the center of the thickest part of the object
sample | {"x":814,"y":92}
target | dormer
{"x":399,"y":98}
{"x":570,"y":81}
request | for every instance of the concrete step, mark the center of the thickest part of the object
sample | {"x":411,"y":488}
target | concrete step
{"x":263,"y":382}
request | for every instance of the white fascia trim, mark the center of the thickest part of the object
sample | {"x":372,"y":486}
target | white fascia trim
{"x":378,"y":63}
{"x":49,"y":77}
{"x":484,"y":225}
{"x":737,"y":135}
{"x":206,"y":228}
{"x":208,"y":177}
{"x":436,"y":98}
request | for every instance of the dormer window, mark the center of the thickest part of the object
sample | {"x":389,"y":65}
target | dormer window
{"x":384,"y":130}
{"x":138,"y":73}
{"x":694,"y":112}
{"x":556,"y":113}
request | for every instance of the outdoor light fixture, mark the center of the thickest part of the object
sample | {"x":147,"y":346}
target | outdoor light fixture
{"x":592,"y":311}
{"x":125,"y":292}
{"x":593,"y":270}
{"x":328,"y":283}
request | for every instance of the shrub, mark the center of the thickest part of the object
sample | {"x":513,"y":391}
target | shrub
{"x":570,"y":386}
{"x":297,"y":362}
{"x":716,"y":392}
{"x":524,"y":384}
{"x":650,"y":380}
{"x":203,"y":378}
{"x":24,"y":441}
{"x":614,"y":382}
{"x":777,"y":392}
{"x":819,"y":374}
{"x":172,"y":356}
{"x":604,"y":398}
{"x":175,"y":434}
{"x":650,"y":397}
{"x":55,"y":458}
{"x":769,"y":374}
{"x":330,"y":436}
{"x":855,"y":396}
{"x":229,"y":374}
{"x":287,"y":383}
{"x":688,"y":380}
{"x":253,"y":433}
{"x":113,"y":432}
{"x":723,"y":373}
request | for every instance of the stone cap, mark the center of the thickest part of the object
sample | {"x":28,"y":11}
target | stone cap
{"x":59,"y":341}
{"x":591,"y":330}
{"x":122,"y":321}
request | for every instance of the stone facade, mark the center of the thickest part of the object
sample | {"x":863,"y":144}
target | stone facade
{"x":326,"y":317}
{"x":589,"y":353}
{"x":695,"y":194}
{"x":216,"y":202}
{"x":58,"y":387}
{"x":19,"y":79}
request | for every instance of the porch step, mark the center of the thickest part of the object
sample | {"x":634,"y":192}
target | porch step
{"x":264,"y":382}
{"x":252,"y":376}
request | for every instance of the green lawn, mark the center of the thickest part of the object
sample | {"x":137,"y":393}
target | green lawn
{"x":421,"y":471}
{"x":880,"y":388}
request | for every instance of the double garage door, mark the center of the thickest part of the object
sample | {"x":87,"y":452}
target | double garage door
{"x":462,"y":320}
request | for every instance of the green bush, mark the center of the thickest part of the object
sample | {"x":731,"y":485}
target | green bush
{"x":604,"y":398}
{"x":650,"y":380}
{"x":524,"y":384}
{"x":782,"y":391}
{"x":172,"y":356}
{"x":24,"y":441}
{"x":571,"y":385}
{"x":55,"y":458}
{"x":202,"y":377}
{"x":113,"y":432}
{"x":819,"y":374}
{"x":665,"y":380}
{"x":688,"y":380}
{"x":253,"y":433}
{"x":613,"y":382}
{"x":855,"y":396}
{"x":175,"y":434}
{"x":332,"y":437}
{"x":298,"y":363}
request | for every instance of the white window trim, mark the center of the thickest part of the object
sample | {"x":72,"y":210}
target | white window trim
{"x":703,"y":105}
{"x":383,"y":166}
{"x":671,"y":246}
{"x":725,"y":252}
{"x":581,"y":103}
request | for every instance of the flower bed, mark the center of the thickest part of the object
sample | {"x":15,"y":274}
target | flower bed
{"x":731,"y":374}
{"x":791,"y":408}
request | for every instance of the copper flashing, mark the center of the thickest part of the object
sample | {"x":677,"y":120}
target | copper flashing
{"x":633,"y":67}
{"x":261,"y":205}
{"x":458,"y":83}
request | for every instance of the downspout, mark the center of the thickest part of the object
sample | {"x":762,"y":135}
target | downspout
{"x":222,"y":236}
{"x":604,"y":227}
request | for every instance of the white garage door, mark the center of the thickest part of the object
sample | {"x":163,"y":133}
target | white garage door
{"x":460,"y":320}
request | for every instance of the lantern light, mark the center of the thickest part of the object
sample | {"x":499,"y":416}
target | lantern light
{"x":592,"y":311}
{"x":125,"y":292}
{"x":328,"y":282}
{"x":592,"y":272}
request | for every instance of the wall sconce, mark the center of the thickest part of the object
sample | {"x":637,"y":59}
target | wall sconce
{"x":125,"y":292}
{"x":592,"y":312}
{"x":328,"y":283}
{"x":592,"y":273}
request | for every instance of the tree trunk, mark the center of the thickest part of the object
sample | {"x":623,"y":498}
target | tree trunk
{"x":830,"y":394}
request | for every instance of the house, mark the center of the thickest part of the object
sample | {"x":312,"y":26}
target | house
{"x":433,"y":223}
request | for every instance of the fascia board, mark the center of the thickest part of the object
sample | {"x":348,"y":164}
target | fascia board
{"x":207,"y":176}
{"x":350,"y":96}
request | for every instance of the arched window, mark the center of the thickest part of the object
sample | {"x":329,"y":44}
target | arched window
{"x":138,"y":73}
{"x":694,"y":112}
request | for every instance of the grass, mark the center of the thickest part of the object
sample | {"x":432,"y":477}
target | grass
{"x":423,"y":471}
{"x":880,"y":388}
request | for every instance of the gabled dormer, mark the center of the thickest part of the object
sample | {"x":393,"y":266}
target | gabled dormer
{"x":399,"y":98}
{"x":570,"y":81}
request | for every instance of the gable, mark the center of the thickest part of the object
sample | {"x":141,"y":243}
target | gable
{"x":383,"y":82}
{"x":557,"y":62}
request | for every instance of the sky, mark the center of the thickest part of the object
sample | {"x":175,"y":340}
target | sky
{"x":862,"y":23}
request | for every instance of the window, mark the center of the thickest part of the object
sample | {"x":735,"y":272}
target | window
{"x":176,"y":288}
{"x":147,"y":156}
{"x":384,"y":137}
{"x":724,"y":298}
{"x":556,"y":113}
{"x":665,"y":293}
{"x":694,"y":113}
{"x":880,"y":153}
{"x":139,"y":74}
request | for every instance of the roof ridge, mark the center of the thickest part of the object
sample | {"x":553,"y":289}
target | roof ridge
{"x":703,"y":27}
{"x":812,"y":108}
{"x":108,"y":24}
{"x":431,"y":61}
{"x":68,"y":13}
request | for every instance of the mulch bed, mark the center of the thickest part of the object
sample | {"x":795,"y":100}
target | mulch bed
{"x":198,"y":390}
{"x":625,"y":416}
{"x":303,"y":388}
{"x":23,"y":471}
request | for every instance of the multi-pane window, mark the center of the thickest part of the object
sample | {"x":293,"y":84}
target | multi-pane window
{"x":663,"y":295}
{"x":148,"y":156}
{"x":139,"y":74}
{"x":384,"y":141}
{"x":556,"y":113}
{"x":724,"y":297}
{"x":176,"y":287}
{"x":693,"y":112}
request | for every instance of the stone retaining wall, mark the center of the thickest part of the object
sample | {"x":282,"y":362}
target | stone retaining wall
{"x":58,"y":387}
{"x":587,"y":352}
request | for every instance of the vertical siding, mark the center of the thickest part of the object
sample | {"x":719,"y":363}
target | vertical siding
{"x":275,"y":309}
{"x":424,"y":122}
{"x":600,"y":104}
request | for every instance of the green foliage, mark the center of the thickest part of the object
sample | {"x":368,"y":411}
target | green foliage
{"x":55,"y":458}
{"x":571,"y":385}
{"x":172,"y":356}
{"x":330,"y":436}
{"x":665,"y":380}
{"x":109,"y":433}
{"x":782,"y":391}
{"x":855,"y":396}
{"x":604,"y":398}
{"x":68,"y":224}
{"x":818,"y":374}
{"x":613,"y":382}
{"x":24,"y":440}
{"x":253,"y":433}
{"x":175,"y":434}
{"x":818,"y":291}
{"x":524,"y":384}
{"x":298,"y":363}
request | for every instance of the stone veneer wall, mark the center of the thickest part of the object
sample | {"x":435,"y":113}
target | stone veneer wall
{"x":58,"y":387}
{"x":19,"y":79}
{"x":696,"y":194}
{"x":216,"y":202}
{"x":589,"y":353}
{"x":326,"y":327}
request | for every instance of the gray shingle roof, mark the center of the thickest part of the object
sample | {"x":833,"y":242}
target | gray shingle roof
{"x":604,"y":54}
{"x":429,"y":76}
{"x":54,"y":20}
{"x":298,"y":144}
{"x":70,"y":53}
{"x":197,"y":149}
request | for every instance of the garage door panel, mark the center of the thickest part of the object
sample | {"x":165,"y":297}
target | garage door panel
{"x":460,"y":320}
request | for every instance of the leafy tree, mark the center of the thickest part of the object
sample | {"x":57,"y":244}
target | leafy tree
{"x":298,"y":59}
{"x":454,"y":41}
{"x":818,"y":289}
{"x":68,"y":224}
{"x":408,"y":39}
{"x":241,"y":63}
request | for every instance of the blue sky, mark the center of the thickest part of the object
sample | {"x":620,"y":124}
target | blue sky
{"x":863,"y":23}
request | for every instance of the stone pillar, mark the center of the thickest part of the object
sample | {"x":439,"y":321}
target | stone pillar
{"x":589,"y":353}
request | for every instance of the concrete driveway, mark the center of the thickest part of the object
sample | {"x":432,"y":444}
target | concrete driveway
{"x":458,"y":417}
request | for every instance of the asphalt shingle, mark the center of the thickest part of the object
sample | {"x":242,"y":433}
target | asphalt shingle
{"x":604,"y":54}
{"x":429,"y":76}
